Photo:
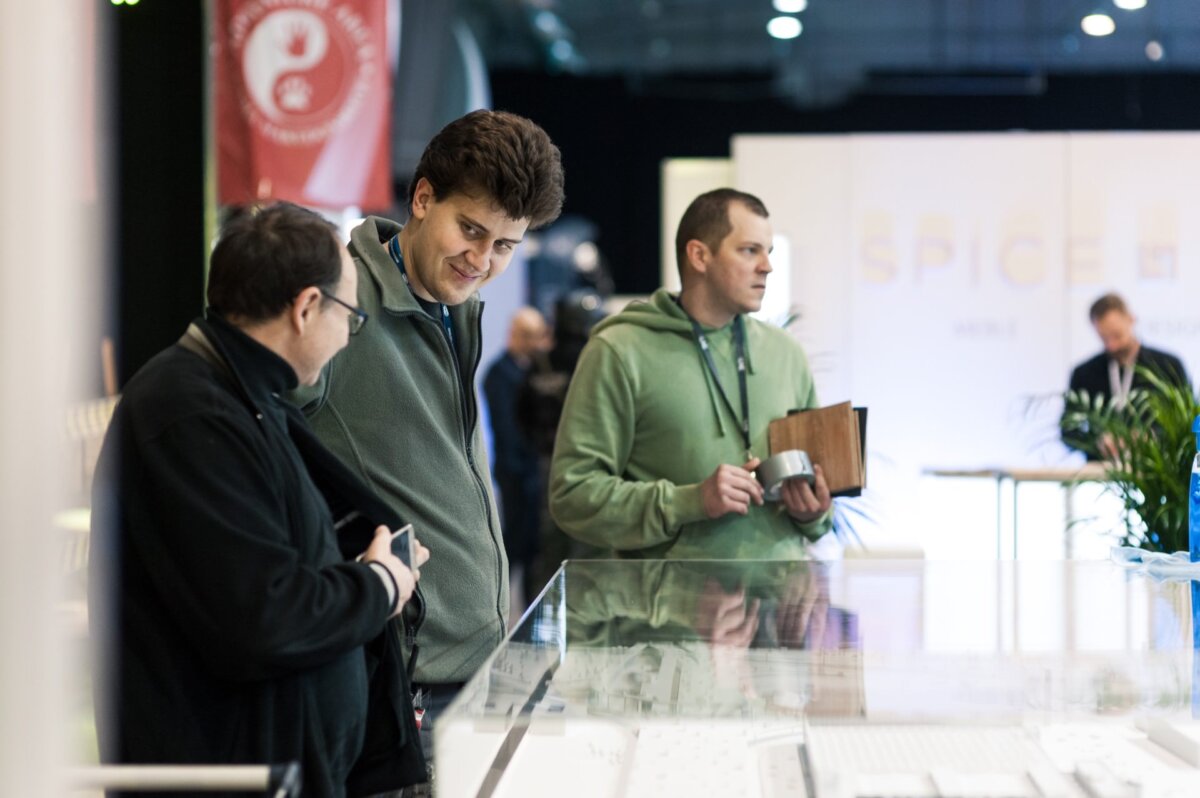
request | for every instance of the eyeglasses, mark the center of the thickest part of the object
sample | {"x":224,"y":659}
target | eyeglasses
{"x":358,"y":316}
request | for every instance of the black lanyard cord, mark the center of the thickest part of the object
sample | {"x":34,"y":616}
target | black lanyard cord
{"x":739,"y":351}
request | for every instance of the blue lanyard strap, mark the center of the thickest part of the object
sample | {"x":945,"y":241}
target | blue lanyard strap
{"x":398,"y":257}
{"x":739,"y":350}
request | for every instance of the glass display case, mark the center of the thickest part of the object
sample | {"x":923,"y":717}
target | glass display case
{"x":839,"y":680}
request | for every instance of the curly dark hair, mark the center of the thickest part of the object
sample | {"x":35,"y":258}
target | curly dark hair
{"x":506,"y":157}
{"x":266,"y":255}
{"x":707,"y":220}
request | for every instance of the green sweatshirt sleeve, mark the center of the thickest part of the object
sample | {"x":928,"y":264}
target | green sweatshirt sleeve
{"x":591,"y":496}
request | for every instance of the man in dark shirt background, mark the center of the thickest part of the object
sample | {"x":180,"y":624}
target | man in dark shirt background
{"x":1113,"y":373}
{"x":515,"y":466}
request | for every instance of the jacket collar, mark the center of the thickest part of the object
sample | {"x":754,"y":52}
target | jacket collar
{"x":260,"y":373}
{"x":368,"y":244}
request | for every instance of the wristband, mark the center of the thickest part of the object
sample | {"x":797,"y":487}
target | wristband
{"x":389,"y":584}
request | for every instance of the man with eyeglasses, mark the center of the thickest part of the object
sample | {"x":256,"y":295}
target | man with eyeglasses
{"x":400,"y":404}
{"x":242,"y":579}
{"x":358,"y":316}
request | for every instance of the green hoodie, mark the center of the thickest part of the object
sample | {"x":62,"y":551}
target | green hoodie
{"x":644,"y":425}
{"x":393,"y":407}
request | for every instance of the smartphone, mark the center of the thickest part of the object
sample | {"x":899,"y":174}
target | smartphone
{"x":404,"y":545}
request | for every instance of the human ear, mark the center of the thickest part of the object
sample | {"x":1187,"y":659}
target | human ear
{"x":305,"y":308}
{"x":423,"y":197}
{"x":697,"y":255}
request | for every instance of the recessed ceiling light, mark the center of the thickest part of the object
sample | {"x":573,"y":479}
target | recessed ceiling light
{"x":784,"y":27}
{"x":1129,"y":5}
{"x":562,"y":50}
{"x":793,"y":6}
{"x":1154,"y":50}
{"x":1098,"y":25}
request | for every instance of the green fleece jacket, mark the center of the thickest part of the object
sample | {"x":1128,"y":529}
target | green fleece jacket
{"x":644,"y":425}
{"x":393,"y":407}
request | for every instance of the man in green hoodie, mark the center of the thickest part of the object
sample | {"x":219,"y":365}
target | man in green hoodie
{"x":666,"y":417}
{"x":400,"y":406}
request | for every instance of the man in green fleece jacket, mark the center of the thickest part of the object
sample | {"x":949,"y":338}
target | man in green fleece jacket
{"x":656,"y":448}
{"x":400,"y":406}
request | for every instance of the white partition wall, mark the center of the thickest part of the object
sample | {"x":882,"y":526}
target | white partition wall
{"x":807,"y":191}
{"x":1135,"y":227}
{"x":930,"y":277}
{"x":957,"y":283}
{"x":944,"y":280}
{"x":684,"y":179}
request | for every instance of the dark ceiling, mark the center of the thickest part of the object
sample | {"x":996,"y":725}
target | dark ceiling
{"x":955,"y":47}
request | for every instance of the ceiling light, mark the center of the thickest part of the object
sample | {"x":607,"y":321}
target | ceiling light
{"x":784,"y":27}
{"x":548,"y":23}
{"x":1129,"y":5}
{"x":1154,"y":50}
{"x":792,"y":6}
{"x":562,"y":50}
{"x":1098,"y":25}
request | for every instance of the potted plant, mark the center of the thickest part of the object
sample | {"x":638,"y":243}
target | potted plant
{"x":1148,"y":445}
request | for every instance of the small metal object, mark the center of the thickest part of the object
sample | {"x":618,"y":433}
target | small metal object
{"x":775,"y":470}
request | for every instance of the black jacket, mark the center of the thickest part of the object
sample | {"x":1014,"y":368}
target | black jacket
{"x":238,"y":627}
{"x":1091,"y":377}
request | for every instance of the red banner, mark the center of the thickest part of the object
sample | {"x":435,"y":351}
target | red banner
{"x":303,"y":96}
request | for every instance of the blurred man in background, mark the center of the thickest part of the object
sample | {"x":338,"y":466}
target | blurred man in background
{"x":515,"y":466}
{"x":1113,"y":373}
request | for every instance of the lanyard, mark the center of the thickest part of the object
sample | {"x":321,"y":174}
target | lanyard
{"x":1119,"y":384}
{"x":739,"y":350}
{"x":398,"y":257}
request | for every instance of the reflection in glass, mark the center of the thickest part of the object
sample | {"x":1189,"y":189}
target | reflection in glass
{"x":775,"y":678}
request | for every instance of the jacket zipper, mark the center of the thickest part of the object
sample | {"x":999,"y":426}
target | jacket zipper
{"x":502,"y":590}
{"x":465,"y":427}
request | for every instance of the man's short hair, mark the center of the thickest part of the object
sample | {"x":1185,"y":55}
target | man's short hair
{"x":1105,"y":305}
{"x":266,"y":256}
{"x":506,"y":158}
{"x":707,"y":220}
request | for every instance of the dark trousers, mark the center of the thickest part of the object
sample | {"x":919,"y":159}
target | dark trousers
{"x":521,"y":499}
{"x":434,"y":699}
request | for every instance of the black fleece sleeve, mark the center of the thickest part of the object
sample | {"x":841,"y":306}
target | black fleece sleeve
{"x":217,"y":542}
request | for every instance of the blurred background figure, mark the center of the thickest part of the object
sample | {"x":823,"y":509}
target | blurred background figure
{"x":539,"y":408}
{"x":1112,"y":374}
{"x":565,"y":259}
{"x":515,"y":464}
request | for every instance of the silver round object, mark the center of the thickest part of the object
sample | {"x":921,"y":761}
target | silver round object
{"x":775,"y":470}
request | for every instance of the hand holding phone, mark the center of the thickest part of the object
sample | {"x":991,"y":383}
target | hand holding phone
{"x":401,"y":554}
{"x":404,"y":545}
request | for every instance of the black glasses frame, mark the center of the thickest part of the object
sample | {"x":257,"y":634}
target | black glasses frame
{"x":358,"y":316}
